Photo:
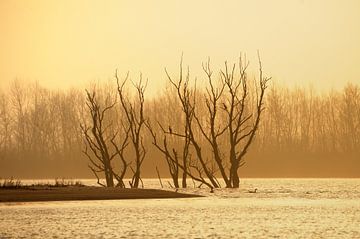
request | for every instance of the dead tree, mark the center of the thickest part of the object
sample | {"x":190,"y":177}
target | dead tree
{"x":134,"y":114}
{"x":97,"y":141}
{"x":185,"y":157}
{"x":176,"y":161}
{"x":211,"y":130}
{"x":172,"y":158}
{"x":188,"y":102}
{"x":242,"y":121}
{"x":231,"y":96}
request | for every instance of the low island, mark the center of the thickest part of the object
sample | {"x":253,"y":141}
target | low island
{"x":34,"y":194}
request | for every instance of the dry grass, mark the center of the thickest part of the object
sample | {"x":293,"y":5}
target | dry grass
{"x":10,"y":183}
{"x":13,"y":183}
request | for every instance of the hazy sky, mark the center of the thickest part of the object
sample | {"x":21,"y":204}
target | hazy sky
{"x":69,"y":42}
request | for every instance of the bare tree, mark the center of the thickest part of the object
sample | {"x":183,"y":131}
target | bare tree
{"x":5,"y":131}
{"x":350,"y":117}
{"x":171,"y":156}
{"x":215,"y":130}
{"x":166,"y":112}
{"x":18,"y":101}
{"x":175,"y":160}
{"x":242,"y":121}
{"x":232,"y":97}
{"x":134,"y":112}
{"x":174,"y":163}
{"x":187,"y":97}
{"x":99,"y":142}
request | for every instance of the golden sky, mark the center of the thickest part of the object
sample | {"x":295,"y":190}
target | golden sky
{"x":66,"y":43}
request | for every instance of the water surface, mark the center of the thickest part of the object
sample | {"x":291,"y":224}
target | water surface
{"x":282,"y":208}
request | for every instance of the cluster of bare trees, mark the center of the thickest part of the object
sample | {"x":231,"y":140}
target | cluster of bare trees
{"x":38,"y":124}
{"x":196,"y":129}
{"x":99,"y":142}
{"x":108,"y":131}
{"x":300,"y":120}
{"x":223,"y":118}
{"x":103,"y":133}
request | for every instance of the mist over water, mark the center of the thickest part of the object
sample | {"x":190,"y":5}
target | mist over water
{"x":282,"y":208}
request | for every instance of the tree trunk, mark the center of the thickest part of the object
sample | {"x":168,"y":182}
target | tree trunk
{"x":176,"y":181}
{"x":183,"y":183}
{"x":234,"y":177}
{"x":109,"y":176}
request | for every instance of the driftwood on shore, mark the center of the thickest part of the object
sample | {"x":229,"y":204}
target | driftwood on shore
{"x":33,"y":194}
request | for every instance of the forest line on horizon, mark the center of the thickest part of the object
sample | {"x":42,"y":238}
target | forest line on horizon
{"x":302,"y":133}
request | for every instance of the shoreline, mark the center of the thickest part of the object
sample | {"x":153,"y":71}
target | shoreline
{"x":73,"y":193}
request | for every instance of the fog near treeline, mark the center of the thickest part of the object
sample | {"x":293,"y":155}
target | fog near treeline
{"x":303,"y":132}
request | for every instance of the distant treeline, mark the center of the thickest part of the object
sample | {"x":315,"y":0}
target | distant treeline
{"x":303,"y":132}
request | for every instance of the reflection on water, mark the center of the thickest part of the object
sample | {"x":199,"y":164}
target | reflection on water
{"x":284,"y":208}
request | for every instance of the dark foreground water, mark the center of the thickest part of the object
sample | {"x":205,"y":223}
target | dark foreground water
{"x":282,"y":208}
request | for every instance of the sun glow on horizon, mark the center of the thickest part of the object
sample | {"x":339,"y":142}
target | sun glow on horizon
{"x":68,"y":43}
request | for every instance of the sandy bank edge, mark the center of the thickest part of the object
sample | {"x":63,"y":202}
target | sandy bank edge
{"x":85,"y":193}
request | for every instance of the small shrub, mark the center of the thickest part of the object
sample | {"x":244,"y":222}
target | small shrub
{"x":16,"y":183}
{"x":10,"y":183}
{"x":65,"y":183}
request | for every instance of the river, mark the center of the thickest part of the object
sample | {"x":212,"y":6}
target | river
{"x":281,"y":208}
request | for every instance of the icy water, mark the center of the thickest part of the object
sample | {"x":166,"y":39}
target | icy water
{"x":282,"y":208}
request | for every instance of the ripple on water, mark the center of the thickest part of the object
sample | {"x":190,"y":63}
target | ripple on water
{"x":282,"y":208}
